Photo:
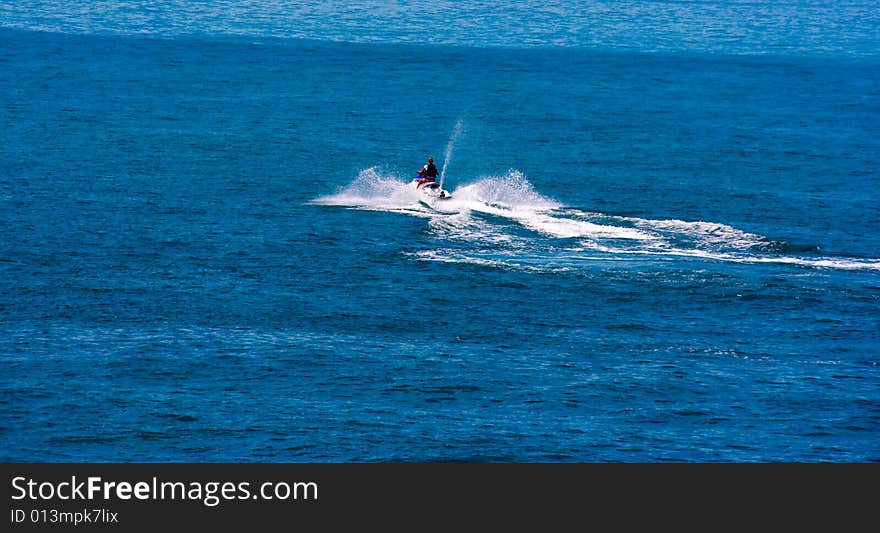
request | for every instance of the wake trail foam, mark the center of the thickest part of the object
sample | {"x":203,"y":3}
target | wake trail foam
{"x":568,"y":228}
{"x":376,"y":191}
{"x":710,"y":234}
{"x":465,"y":228}
{"x":510,"y":191}
{"x":514,"y":225}
{"x":512,"y":197}
{"x":840,"y":263}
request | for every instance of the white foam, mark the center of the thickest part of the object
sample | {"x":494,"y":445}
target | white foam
{"x":463,"y":227}
{"x":569,"y":228}
{"x":513,"y":262}
{"x":710,"y":234}
{"x":374,"y":190}
{"x":514,"y":200}
{"x":450,"y":256}
{"x":512,"y":196}
{"x":510,"y":191}
{"x":818,"y":262}
{"x":821,"y":262}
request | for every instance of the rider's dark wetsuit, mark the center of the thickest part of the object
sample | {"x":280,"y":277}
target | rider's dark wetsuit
{"x":431,"y":172}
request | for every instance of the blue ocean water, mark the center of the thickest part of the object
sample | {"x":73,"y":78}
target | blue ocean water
{"x":662,"y":242}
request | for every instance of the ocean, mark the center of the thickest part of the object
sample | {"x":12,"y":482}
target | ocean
{"x":661,"y":243}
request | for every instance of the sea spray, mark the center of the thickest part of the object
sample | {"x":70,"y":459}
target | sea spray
{"x":373,"y":189}
{"x":599,"y":236}
{"x":456,"y":131}
{"x":512,"y":190}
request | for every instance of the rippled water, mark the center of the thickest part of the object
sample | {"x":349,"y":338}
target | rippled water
{"x":661,"y":244}
{"x":849,"y":27}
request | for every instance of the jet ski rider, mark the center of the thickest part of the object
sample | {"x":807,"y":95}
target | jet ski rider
{"x":427,"y":173}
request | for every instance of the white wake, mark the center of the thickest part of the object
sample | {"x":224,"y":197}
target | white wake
{"x":506,"y":222}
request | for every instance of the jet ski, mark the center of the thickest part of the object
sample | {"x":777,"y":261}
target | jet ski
{"x":431,"y":191}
